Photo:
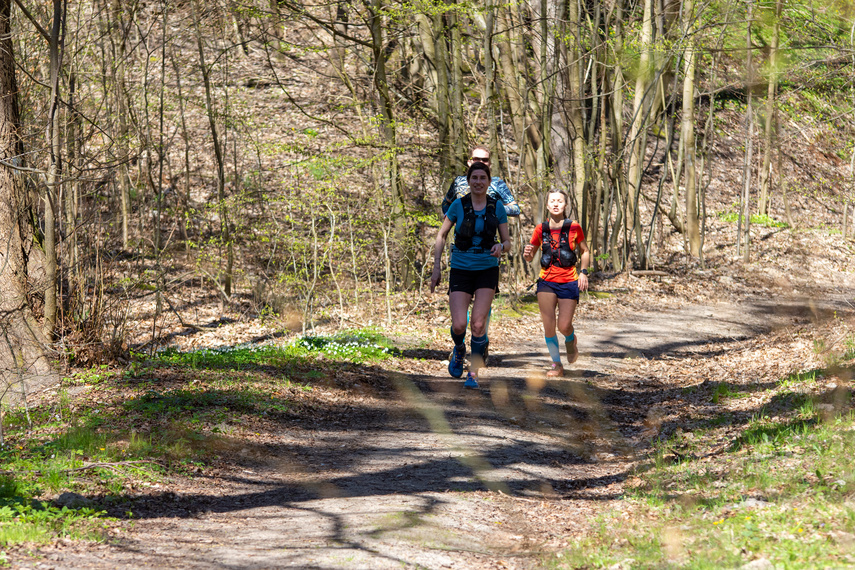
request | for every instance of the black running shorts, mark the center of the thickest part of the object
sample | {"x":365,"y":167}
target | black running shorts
{"x":470,"y":281}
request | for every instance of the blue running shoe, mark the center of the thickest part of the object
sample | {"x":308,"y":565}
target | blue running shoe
{"x":470,"y":381}
{"x":455,"y":361}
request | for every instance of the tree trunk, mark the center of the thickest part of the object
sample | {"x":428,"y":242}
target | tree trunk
{"x":577,"y":126}
{"x":225,"y":229}
{"x":638,"y":129}
{"x":72,"y":207}
{"x":514,"y":88}
{"x":389,"y":135}
{"x":743,"y":244}
{"x":119,"y":25}
{"x":687,"y":132}
{"x":52,"y":188}
{"x":433,"y":42}
{"x":23,"y":346}
{"x":185,"y":194}
{"x":768,"y":131}
{"x":458,"y":123}
{"x":489,"y":85}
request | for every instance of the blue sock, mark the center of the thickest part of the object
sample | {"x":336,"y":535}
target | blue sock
{"x":487,"y":328}
{"x":478,"y":344}
{"x":552,"y":345}
{"x":458,"y":339}
{"x":569,"y":338}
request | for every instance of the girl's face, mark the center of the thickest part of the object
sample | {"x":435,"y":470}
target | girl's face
{"x":555,"y":204}
{"x":479,"y":182}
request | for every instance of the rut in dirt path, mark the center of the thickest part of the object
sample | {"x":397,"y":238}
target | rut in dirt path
{"x":438,"y":477}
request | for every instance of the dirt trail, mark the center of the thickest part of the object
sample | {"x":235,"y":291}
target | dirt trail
{"x":439,"y":477}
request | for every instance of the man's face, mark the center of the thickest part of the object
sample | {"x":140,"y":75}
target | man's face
{"x":479,"y":155}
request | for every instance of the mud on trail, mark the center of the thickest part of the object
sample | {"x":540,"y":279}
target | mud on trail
{"x":429,"y":475}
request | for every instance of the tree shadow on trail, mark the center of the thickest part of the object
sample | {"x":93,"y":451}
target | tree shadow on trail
{"x":438,"y":475}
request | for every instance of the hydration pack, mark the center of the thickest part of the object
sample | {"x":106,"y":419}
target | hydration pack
{"x":563,"y":255}
{"x":464,"y":234}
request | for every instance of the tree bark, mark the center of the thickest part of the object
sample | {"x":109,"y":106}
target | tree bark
{"x":638,"y":129}
{"x":433,"y":43}
{"x":687,"y":132}
{"x":577,"y":126}
{"x":23,"y":347}
{"x":458,"y":123}
{"x":768,"y":131}
{"x":119,"y":27}
{"x":514,"y":88}
{"x":225,"y":229}
{"x":52,"y":188}
{"x":489,"y":86}
{"x":744,"y":229}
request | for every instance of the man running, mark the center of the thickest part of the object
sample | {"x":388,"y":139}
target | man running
{"x":498,"y":188}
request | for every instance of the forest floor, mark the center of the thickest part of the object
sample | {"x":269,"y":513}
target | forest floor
{"x":405,"y":468}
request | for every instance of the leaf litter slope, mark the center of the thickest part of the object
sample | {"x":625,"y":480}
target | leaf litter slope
{"x":425,"y":474}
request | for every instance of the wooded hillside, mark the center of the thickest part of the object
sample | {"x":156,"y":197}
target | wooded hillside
{"x":292,"y":155}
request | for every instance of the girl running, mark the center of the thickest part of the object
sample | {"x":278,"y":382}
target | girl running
{"x":477,"y":219}
{"x":559,"y":283}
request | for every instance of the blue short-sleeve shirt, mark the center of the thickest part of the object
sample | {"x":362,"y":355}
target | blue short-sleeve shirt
{"x":468,"y":259}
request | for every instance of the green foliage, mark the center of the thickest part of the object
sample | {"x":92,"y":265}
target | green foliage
{"x":95,"y":375}
{"x":430,"y":219}
{"x":763,"y":431}
{"x":353,"y":346}
{"x":724,"y":391}
{"x":30,"y":522}
{"x":24,"y":520}
{"x":357,"y":346}
{"x":758,"y":219}
{"x":779,"y":491}
{"x":203,"y":405}
{"x":804,"y":377}
{"x":849,"y":343}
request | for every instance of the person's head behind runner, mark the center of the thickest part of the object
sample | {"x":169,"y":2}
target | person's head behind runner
{"x":475,"y":166}
{"x":479,"y":153}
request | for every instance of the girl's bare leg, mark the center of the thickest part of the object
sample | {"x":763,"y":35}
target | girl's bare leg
{"x":478,"y":323}
{"x":546,"y":302}
{"x":481,"y":311}
{"x":566,"y":310}
{"x":458,"y":304}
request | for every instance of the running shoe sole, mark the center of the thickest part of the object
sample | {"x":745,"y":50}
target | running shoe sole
{"x":572,"y":350}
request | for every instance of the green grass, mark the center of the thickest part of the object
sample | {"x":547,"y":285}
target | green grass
{"x":358,"y":346}
{"x":782,"y":489}
{"x":24,"y":522}
{"x":23,"y":519}
{"x":202,"y":405}
{"x":784,"y":496}
{"x":849,"y":352}
{"x":756,"y":219}
{"x":804,"y":377}
{"x":95,"y":375}
{"x":525,"y":304}
{"x":165,"y":414}
{"x":724,"y":391}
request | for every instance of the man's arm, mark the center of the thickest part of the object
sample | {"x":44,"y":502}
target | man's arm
{"x":501,"y":189}
{"x":451,"y":195}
